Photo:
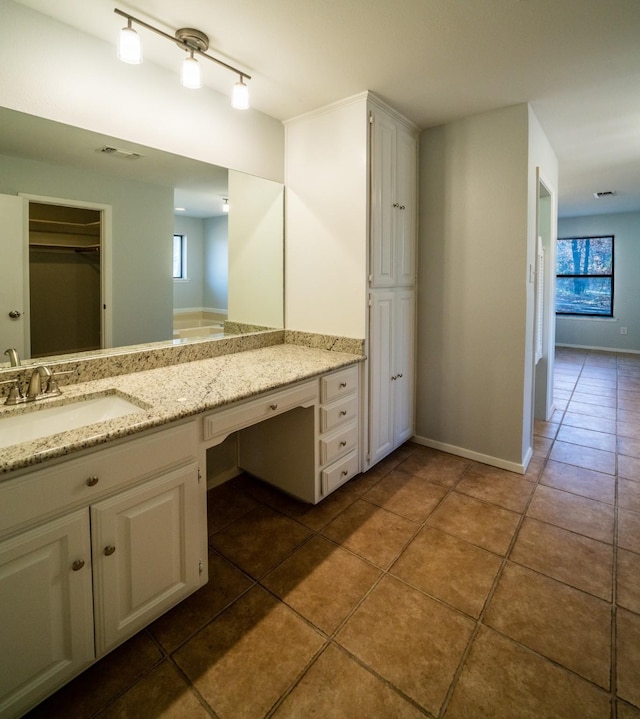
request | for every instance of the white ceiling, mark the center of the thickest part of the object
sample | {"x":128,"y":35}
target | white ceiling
{"x":576,"y":61}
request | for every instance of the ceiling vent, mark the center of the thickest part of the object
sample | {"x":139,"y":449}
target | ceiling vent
{"x":117,"y":152}
{"x":605,"y":193}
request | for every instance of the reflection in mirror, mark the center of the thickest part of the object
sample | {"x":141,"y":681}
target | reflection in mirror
{"x":234,"y":261}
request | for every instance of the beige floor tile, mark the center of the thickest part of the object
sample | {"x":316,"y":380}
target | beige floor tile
{"x":371,"y":532}
{"x":226,"y":503}
{"x":629,"y":494}
{"x":417,"y":643}
{"x":628,"y":659}
{"x":482,"y":524}
{"x":629,"y":429}
{"x":541,"y":446}
{"x":629,"y":467}
{"x":103,"y":682}
{"x":628,"y":580}
{"x":545,"y":429}
{"x":626,"y":711}
{"x":436,"y":467}
{"x":571,"y":558}
{"x":406,"y":494}
{"x":598,"y":400}
{"x":364,"y":482}
{"x":587,"y":438}
{"x":627,"y":415}
{"x":449,"y":569}
{"x":244,"y":660}
{"x":588,"y":457}
{"x":259,"y":540}
{"x":629,"y":530}
{"x":562,"y":623}
{"x":569,"y":511}
{"x":585,"y":421}
{"x":629,"y":447}
{"x":322,"y":582}
{"x":497,"y":486}
{"x":534,"y":468}
{"x":592,"y":409}
{"x":503,"y":680}
{"x":162,"y":694}
{"x":226,"y":583}
{"x":337,"y":686}
{"x":578,"y":480}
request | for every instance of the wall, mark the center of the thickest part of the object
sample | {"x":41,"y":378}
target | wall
{"x":605,"y":333}
{"x":216,"y":263}
{"x":475,"y":303}
{"x":52,"y":70}
{"x":142,"y":293}
{"x":189,"y":293}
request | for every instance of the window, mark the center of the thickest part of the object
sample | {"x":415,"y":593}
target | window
{"x":585,"y":276}
{"x":179,"y":257}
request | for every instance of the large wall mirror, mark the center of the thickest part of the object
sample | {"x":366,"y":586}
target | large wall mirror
{"x":90,"y":221}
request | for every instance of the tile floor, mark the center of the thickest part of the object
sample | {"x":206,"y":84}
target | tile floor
{"x":430,"y":586}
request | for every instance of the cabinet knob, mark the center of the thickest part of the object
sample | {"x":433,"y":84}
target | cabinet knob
{"x":396,"y":204}
{"x":273,"y":406}
{"x":77,"y":565}
{"x":344,"y":473}
{"x":399,"y":374}
{"x":402,"y":207}
{"x":343,"y":385}
{"x":343,"y":412}
{"x":395,"y":376}
{"x":92,"y":481}
{"x":343,"y":443}
{"x":109,"y":550}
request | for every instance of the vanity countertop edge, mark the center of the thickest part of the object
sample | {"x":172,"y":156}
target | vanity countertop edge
{"x":172,"y":393}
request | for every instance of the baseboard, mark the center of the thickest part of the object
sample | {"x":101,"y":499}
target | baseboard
{"x":599,"y":349}
{"x":519,"y":468}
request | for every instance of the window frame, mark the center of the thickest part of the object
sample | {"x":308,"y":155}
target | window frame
{"x":183,"y":277}
{"x":611,"y":276}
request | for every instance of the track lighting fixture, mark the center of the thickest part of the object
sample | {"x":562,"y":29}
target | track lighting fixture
{"x":191,"y":41}
{"x":225,"y":204}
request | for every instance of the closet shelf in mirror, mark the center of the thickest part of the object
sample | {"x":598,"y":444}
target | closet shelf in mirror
{"x":90,"y":229}
{"x":54,"y":246}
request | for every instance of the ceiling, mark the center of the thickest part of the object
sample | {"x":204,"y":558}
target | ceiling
{"x":576,"y":61}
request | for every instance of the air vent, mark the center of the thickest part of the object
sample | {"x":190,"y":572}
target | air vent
{"x":605,"y":193}
{"x":118,"y":152}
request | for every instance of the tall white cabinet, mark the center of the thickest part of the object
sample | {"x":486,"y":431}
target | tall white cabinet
{"x":351,"y":183}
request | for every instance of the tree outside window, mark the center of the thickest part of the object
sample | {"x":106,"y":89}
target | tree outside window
{"x":584,"y":281}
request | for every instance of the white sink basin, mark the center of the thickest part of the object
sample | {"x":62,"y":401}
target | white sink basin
{"x":27,"y":426}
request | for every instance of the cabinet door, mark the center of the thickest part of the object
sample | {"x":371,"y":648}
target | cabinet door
{"x":405,"y":215}
{"x":46,"y":612}
{"x":146,"y":553}
{"x":404,"y":365}
{"x":381,"y":319}
{"x":383,"y":192}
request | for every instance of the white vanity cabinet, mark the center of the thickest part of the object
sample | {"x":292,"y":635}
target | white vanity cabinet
{"x":91,"y":550}
{"x":351,"y":177}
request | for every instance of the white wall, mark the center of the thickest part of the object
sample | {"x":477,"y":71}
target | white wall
{"x":602,"y":332}
{"x":326,"y":220}
{"x":216,"y":263}
{"x":189,"y":293}
{"x":54,"y":71}
{"x":475,"y":303}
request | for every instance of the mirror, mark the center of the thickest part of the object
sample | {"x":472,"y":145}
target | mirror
{"x":234,"y":260}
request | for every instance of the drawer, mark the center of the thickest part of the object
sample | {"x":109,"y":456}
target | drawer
{"x":225,"y":421}
{"x":338,"y":384}
{"x":339,"y":472}
{"x":335,"y":445}
{"x":47,"y":491}
{"x":337,"y":413}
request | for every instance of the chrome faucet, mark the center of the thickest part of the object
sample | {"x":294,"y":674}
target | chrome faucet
{"x":39,"y":377}
{"x":12,"y":353}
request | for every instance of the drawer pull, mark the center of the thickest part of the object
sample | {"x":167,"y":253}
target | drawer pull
{"x":77,"y":565}
{"x":344,"y":473}
{"x":343,"y":385}
{"x":273,"y":406}
{"x":109,"y":550}
{"x":92,"y":481}
{"x":343,"y":443}
{"x":399,"y":374}
{"x":343,"y":412}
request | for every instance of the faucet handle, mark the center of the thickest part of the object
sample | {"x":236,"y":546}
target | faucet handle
{"x":15,"y":395}
{"x":52,"y":384}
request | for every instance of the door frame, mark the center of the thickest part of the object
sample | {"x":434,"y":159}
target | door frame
{"x":106,"y":267}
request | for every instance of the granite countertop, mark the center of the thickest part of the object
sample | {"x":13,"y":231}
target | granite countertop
{"x":171,"y":393}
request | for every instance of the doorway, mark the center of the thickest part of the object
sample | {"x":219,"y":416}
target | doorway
{"x":66,"y":276}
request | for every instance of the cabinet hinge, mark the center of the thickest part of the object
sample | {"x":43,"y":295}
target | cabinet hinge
{"x":370,"y":118}
{"x":199,"y":475}
{"x":370,"y":301}
{"x":200,"y":567}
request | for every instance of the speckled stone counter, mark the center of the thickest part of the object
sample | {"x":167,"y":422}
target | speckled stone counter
{"x":167,"y":394}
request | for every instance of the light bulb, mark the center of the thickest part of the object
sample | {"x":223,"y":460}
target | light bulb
{"x":240,"y":96}
{"x":129,"y":46}
{"x":190,"y":76}
{"x":225,"y":204}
